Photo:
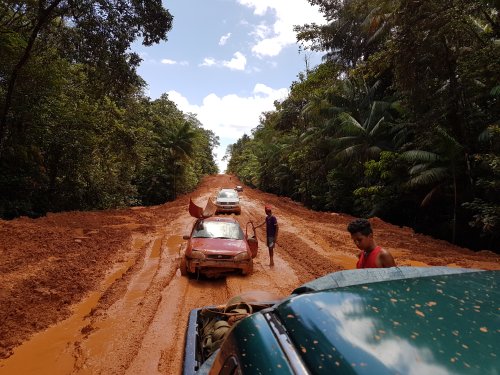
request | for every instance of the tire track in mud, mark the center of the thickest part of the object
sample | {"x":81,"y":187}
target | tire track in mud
{"x":306,"y":264}
{"x":120,"y":323}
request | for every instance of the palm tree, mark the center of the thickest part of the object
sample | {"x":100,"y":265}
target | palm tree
{"x":366,"y":138}
{"x":439,"y":170}
{"x":348,"y":124}
{"x":180,"y":145}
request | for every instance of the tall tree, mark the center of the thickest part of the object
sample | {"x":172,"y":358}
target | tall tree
{"x":96,"y":32}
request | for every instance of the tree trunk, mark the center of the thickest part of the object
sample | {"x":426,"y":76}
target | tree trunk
{"x":43,"y":19}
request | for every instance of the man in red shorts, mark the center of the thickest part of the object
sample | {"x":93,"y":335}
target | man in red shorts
{"x":372,"y":256}
{"x":271,"y":231}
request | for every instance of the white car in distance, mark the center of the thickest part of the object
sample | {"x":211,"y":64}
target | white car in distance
{"x":228,"y":201}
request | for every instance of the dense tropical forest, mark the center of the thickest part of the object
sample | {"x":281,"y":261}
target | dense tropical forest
{"x":400,"y":121}
{"x":76,"y":129}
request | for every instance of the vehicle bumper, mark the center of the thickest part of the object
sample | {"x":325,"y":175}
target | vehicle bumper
{"x":217,"y":265}
{"x":235,"y":209}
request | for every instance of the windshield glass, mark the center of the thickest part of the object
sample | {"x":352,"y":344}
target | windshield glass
{"x":228,"y":194}
{"x":218,"y":229}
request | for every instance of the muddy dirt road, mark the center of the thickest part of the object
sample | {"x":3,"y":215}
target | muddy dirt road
{"x":101,"y":293}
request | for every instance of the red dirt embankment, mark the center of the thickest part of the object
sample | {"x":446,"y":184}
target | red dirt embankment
{"x":100,"y":292}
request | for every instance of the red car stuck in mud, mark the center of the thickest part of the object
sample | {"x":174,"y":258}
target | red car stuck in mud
{"x":217,"y":246}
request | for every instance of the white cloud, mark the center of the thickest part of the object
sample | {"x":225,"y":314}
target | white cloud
{"x":261,"y":31}
{"x":260,"y":88}
{"x":238,"y":62}
{"x":208,"y":61}
{"x":224,"y":38}
{"x":173,"y":62}
{"x":271,"y":39}
{"x":231,"y":116}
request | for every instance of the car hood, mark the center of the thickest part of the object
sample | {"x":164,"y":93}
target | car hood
{"x":218,"y":245}
{"x":228,"y":200}
{"x":436,"y":324}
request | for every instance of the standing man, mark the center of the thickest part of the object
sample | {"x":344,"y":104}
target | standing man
{"x":372,"y":256}
{"x":271,"y":231}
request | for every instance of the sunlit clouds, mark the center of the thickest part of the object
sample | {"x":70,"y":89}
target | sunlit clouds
{"x":173,"y":62}
{"x":270,"y":39}
{"x":230,"y":68}
{"x":238,"y":62}
{"x":231,"y":116}
{"x":223,"y":39}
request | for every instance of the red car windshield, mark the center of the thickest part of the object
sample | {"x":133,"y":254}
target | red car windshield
{"x":218,"y":229}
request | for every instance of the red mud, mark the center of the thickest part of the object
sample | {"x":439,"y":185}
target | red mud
{"x":100,"y":292}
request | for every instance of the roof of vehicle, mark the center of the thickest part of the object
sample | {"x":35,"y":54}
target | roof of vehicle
{"x":443,"y":324}
{"x":372,"y":275}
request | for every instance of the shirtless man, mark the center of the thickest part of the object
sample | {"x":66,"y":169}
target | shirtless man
{"x":372,"y":256}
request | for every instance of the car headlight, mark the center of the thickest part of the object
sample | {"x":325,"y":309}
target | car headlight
{"x":242,"y":256}
{"x":196,"y":254}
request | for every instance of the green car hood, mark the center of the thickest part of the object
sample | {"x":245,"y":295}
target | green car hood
{"x":429,"y":325}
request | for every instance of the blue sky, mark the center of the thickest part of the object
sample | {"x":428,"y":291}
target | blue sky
{"x":227,"y":61}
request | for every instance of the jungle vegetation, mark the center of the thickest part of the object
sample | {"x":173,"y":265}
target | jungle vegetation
{"x":77,"y":131}
{"x":401,"y":120}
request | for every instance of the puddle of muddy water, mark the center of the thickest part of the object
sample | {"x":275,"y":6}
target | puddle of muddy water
{"x":174,"y":244}
{"x":156,"y":250}
{"x":51,"y":351}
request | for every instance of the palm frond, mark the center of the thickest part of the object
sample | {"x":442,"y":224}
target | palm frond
{"x":448,"y":139}
{"x":349,"y":125}
{"x":377,"y":126}
{"x":429,"y":177}
{"x":430,"y":195}
{"x":420,"y":156}
{"x":349,"y":152}
{"x":419,"y":168}
{"x":378,"y":34}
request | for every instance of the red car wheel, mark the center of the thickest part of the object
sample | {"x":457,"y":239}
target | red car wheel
{"x":249,"y":270}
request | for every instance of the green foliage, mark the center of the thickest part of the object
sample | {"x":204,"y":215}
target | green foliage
{"x":485,"y":207}
{"x":400,"y":121}
{"x":382,"y":192}
{"x":87,"y":137}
